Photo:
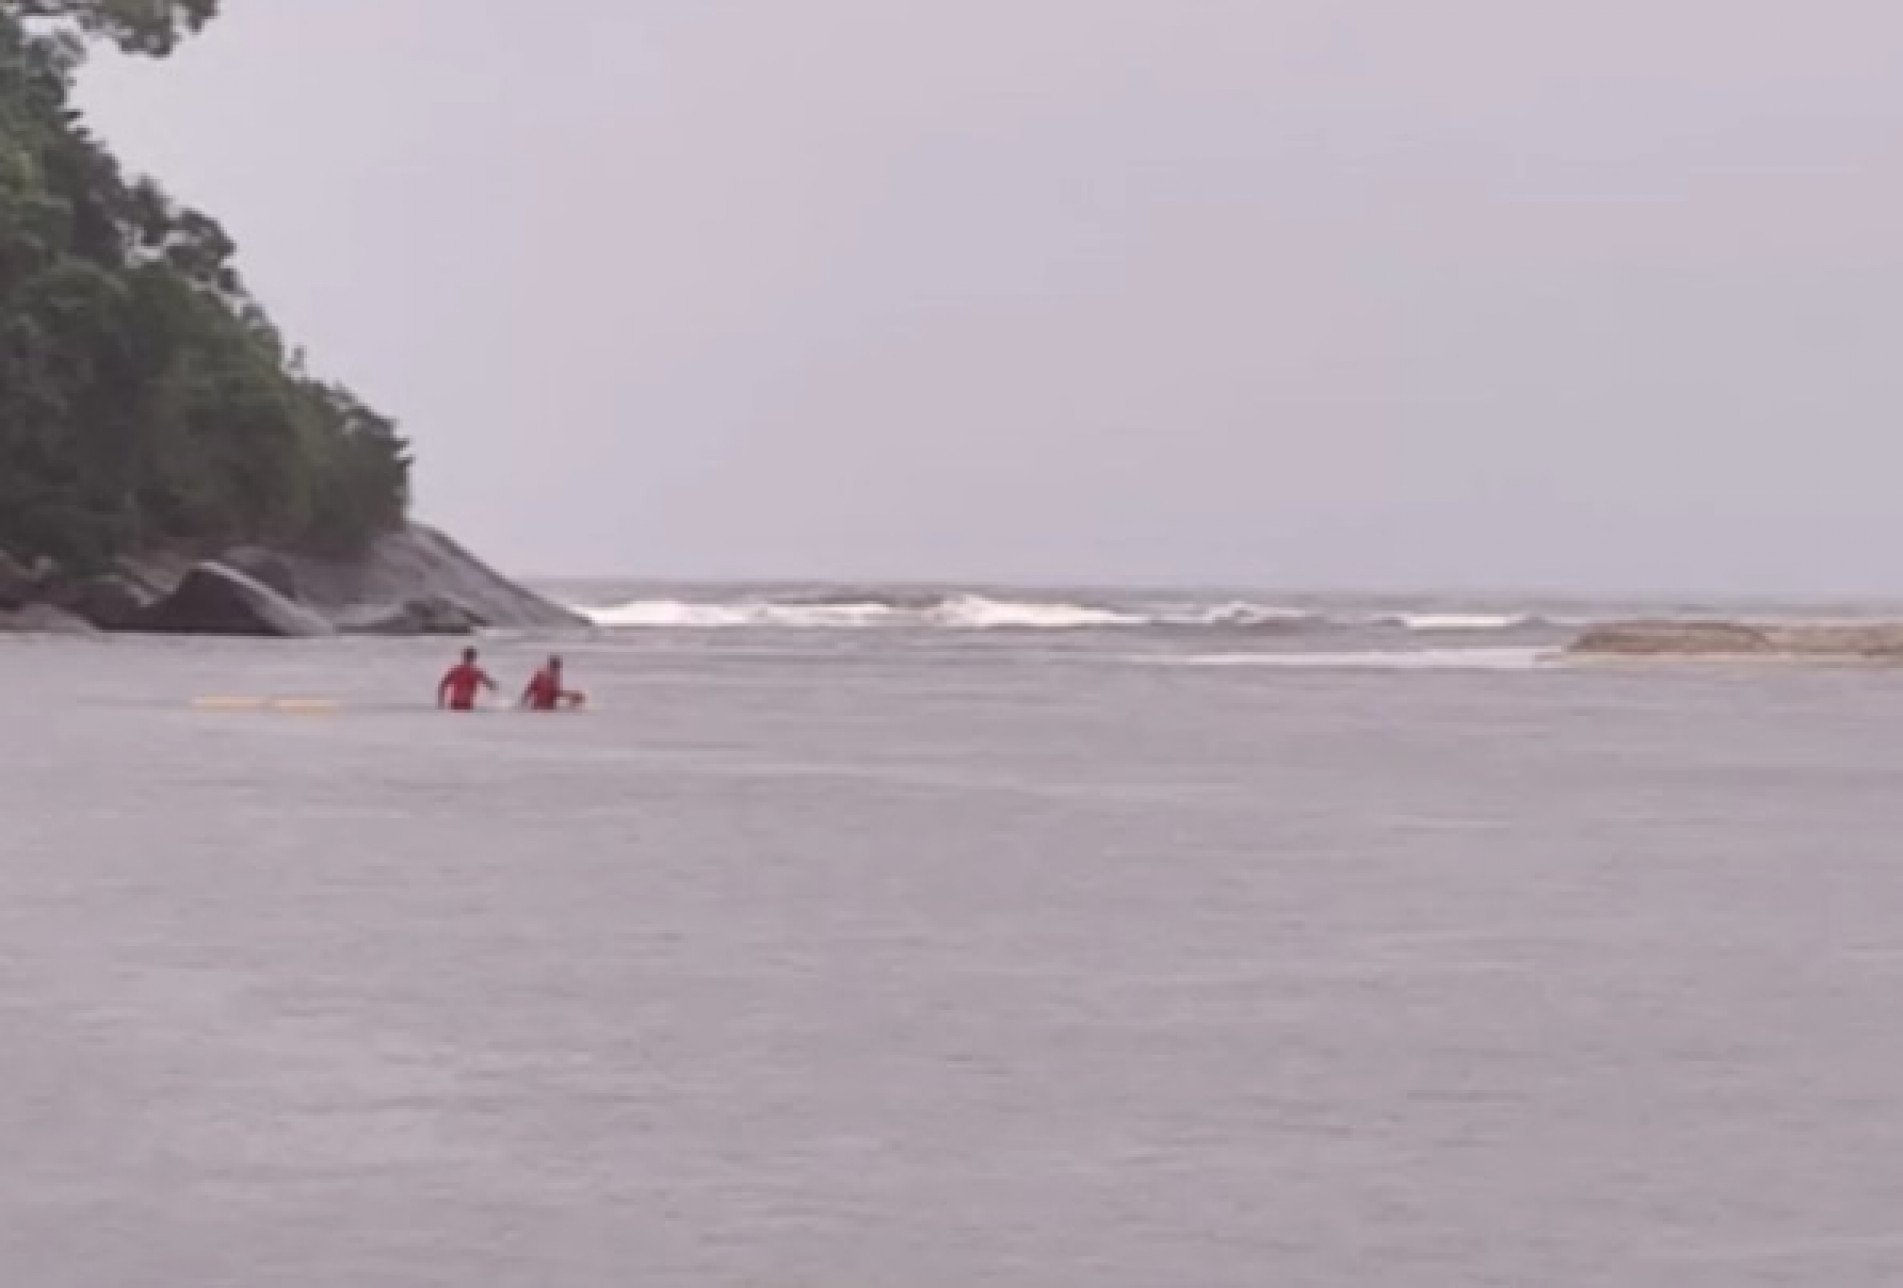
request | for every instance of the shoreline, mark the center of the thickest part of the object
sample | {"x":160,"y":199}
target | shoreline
{"x":420,"y":582}
{"x":415,"y":581}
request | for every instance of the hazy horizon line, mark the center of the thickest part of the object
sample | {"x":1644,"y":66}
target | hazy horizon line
{"x":1212,"y":587}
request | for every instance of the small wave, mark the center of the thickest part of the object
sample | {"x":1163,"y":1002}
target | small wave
{"x":1244,"y":616}
{"x":853,"y":608}
{"x":975,"y":612}
{"x":675,"y":614}
{"x":1461,"y":623}
{"x":1422,"y":659}
{"x":899,"y":599}
{"x":837,"y":612}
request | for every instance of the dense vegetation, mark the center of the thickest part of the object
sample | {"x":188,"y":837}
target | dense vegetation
{"x":146,"y":400}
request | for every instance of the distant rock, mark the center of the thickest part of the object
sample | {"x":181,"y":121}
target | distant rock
{"x":429,"y":615}
{"x":1821,"y":641}
{"x":1875,"y":641}
{"x":1673,"y":639}
{"x":217,"y":600}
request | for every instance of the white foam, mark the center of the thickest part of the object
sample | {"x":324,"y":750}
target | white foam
{"x":961,"y":612}
{"x":974,"y":612}
{"x":977,"y":612}
{"x":674,"y":614}
{"x":1423,"y":659}
{"x":1460,"y":623}
{"x":1243,"y":614}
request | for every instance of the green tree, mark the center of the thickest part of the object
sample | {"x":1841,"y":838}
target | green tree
{"x":146,"y":399}
{"x":136,"y":26}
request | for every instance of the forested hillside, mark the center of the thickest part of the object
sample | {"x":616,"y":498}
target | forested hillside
{"x":147,"y":402}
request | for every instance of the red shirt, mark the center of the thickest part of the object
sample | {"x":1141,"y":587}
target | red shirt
{"x":545,"y":691}
{"x":462,"y":682}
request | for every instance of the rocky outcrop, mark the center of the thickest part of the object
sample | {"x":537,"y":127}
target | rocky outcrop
{"x":18,"y":587}
{"x":111,"y":602}
{"x":154,"y":575}
{"x":214,"y":599}
{"x":266,"y":566}
{"x":42,"y":619}
{"x":1673,"y":639}
{"x":1820,"y":641}
{"x":412,"y":582}
{"x":431,"y":615}
{"x":420,"y":564}
{"x":1872,"y":641}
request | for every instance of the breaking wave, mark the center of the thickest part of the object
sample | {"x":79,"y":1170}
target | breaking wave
{"x":966,"y":612}
{"x":975,"y":612}
{"x":839,"y":609}
{"x":675,"y":614}
{"x":1462,"y":623}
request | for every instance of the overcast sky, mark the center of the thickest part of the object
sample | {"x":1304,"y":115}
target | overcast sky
{"x":1575,"y":294}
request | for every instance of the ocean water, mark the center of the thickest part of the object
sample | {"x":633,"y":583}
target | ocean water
{"x":930,"y":953}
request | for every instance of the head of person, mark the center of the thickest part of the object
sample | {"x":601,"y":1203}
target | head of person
{"x":469,"y":656}
{"x":554,"y":664}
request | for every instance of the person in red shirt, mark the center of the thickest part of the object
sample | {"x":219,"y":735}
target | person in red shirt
{"x":545,"y":691}
{"x":458,"y":688}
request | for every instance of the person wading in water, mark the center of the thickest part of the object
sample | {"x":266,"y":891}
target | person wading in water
{"x":545,"y":691}
{"x":459,"y":686}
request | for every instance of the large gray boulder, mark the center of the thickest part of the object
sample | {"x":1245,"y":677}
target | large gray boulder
{"x":154,"y":574}
{"x":430,"y":615}
{"x":214,"y":599}
{"x":415,"y":581}
{"x":419,"y":563}
{"x":110,"y":601}
{"x":266,"y":566}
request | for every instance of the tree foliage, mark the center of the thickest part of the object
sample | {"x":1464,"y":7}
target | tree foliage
{"x":146,"y":399}
{"x":136,"y":26}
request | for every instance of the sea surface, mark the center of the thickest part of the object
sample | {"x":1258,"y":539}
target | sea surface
{"x":1214,"y":943}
